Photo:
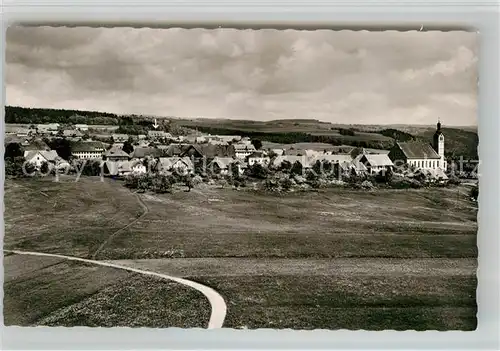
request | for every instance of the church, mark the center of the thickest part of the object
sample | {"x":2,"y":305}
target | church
{"x":421,"y":155}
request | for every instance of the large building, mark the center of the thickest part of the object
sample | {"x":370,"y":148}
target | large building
{"x":88,"y":150}
{"x":421,"y":155}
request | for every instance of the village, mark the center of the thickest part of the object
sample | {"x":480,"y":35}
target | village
{"x":225,"y":159}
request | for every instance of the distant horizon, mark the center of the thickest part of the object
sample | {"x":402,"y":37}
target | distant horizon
{"x":337,"y":76}
{"x":445,"y":125}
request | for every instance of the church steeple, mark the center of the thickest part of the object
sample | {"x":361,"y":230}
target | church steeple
{"x":438,"y":145}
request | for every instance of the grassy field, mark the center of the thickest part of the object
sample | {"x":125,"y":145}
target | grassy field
{"x":55,"y":292}
{"x":389,"y":259}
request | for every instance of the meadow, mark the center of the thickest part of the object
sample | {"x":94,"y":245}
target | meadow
{"x":336,"y":258}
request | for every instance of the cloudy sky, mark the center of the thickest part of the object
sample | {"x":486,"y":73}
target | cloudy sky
{"x":335,"y":76}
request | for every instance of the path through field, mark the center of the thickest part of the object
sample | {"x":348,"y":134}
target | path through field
{"x":217,"y":302}
{"x":144,"y":213}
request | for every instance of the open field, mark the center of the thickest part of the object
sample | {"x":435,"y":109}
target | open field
{"x":55,"y":292}
{"x":395,"y":259}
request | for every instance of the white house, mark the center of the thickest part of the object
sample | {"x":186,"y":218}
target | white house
{"x":222,"y":165}
{"x":181,"y":165}
{"x":38,"y":157}
{"x":243,"y":150}
{"x":138,"y":167}
{"x":88,"y":150}
{"x":374,"y":163}
{"x":258,"y":157}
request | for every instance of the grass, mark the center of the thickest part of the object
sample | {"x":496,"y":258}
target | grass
{"x":375,"y":302}
{"x":396,"y":259}
{"x":307,"y":225}
{"x":54,"y":292}
{"x":65,"y":217}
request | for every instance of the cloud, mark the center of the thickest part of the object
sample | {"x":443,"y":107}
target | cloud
{"x":336,"y":76}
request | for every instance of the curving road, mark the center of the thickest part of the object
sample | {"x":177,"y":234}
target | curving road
{"x":217,"y":303}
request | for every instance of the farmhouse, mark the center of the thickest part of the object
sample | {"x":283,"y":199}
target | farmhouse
{"x":375,"y":163}
{"x":421,"y":155}
{"x":182,"y":165}
{"x":37,"y":158}
{"x":88,"y":150}
{"x":72,"y":133}
{"x":158,"y":134}
{"x":120,"y":138}
{"x":36,"y":145}
{"x":116,"y":154}
{"x":208,"y":151}
{"x":305,"y":161}
{"x":258,"y":157}
{"x":24,"y":132}
{"x":243,"y":150}
{"x":222,"y":165}
{"x":50,"y":128}
{"x":141,"y":153}
{"x":138,"y":167}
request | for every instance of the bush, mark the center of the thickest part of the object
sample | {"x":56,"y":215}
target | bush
{"x":257,"y":171}
{"x":14,"y":167}
{"x":286,"y":183}
{"x":160,"y":184}
{"x":454,"y":180}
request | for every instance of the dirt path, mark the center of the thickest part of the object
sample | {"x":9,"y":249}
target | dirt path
{"x":145,"y":212}
{"x":217,"y":303}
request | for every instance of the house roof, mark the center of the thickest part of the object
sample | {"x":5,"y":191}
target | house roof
{"x":87,"y":146}
{"x":435,"y":173}
{"x":166,"y":163}
{"x":257,"y":154}
{"x":304,"y":160}
{"x":23,"y":130}
{"x":48,"y":155}
{"x":72,"y":132}
{"x":119,"y":136}
{"x":243,"y":147}
{"x":374,"y":159}
{"x":175,"y":149}
{"x":115,"y":151}
{"x":224,"y":162}
{"x":209,"y":150}
{"x":334,"y":158}
{"x":36,"y":144}
{"x":419,"y":150}
{"x":141,"y":152}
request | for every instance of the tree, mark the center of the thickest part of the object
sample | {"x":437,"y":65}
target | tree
{"x":286,"y":183}
{"x":44,"y":168}
{"x":161,"y":184}
{"x":127,"y":146}
{"x":62,"y":146}
{"x":13,"y":150}
{"x":297,"y":168}
{"x":257,"y":144}
{"x":285,"y":166}
{"x":257,"y":171}
{"x":17,"y":168}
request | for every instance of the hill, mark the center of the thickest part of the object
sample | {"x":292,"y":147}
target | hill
{"x":460,"y":141}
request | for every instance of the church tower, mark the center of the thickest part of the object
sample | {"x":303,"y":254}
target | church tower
{"x":438,"y":145}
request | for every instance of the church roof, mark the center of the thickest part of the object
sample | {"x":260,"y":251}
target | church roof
{"x":415,"y":149}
